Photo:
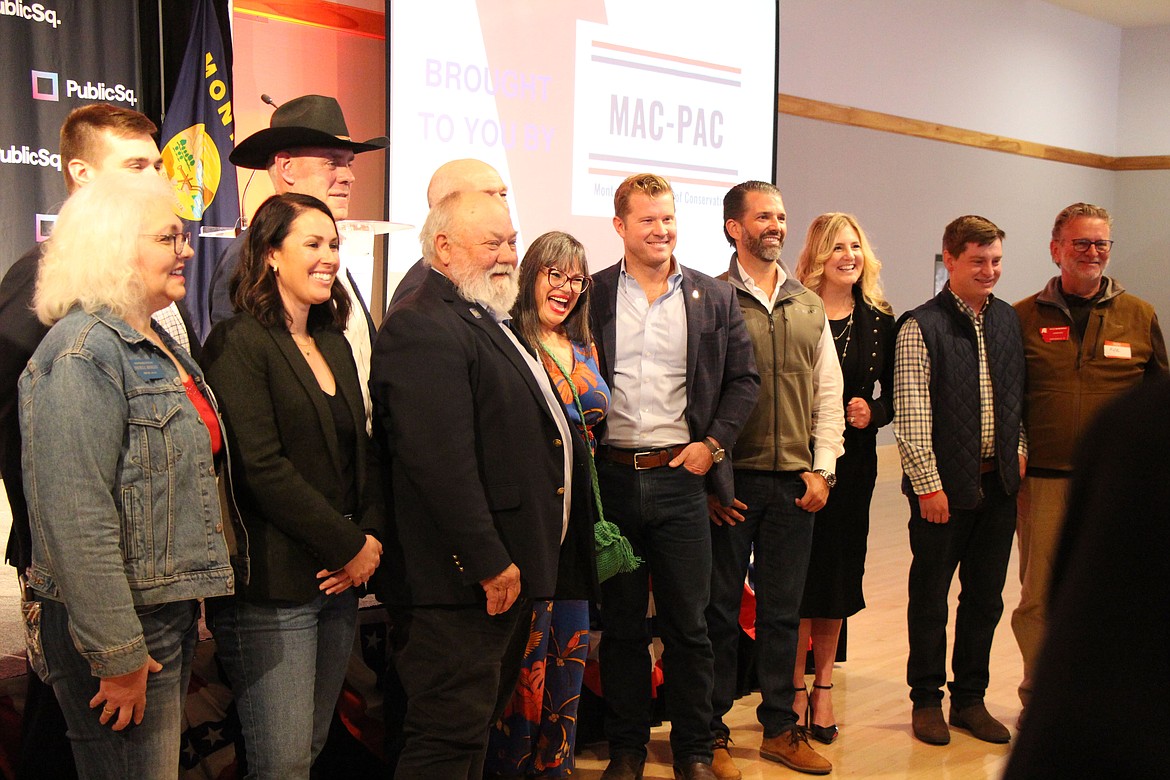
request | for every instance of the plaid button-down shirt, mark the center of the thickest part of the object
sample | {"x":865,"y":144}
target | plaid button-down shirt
{"x":914,"y":419}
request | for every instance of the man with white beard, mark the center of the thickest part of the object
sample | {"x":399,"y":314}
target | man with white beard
{"x":479,"y":474}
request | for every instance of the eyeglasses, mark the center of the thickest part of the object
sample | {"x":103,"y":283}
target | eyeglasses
{"x":179,"y":241}
{"x":577,"y":284}
{"x":1082,"y":245}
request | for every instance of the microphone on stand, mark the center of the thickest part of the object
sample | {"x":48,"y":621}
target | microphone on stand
{"x":242,"y":224}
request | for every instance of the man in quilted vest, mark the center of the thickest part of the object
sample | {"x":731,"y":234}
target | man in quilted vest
{"x":958,"y":399}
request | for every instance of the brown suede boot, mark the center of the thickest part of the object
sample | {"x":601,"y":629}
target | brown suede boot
{"x":930,"y":727}
{"x":722,"y":764}
{"x":976,"y":719}
{"x":791,"y":749}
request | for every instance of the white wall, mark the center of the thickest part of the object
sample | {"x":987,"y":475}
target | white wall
{"x":1025,"y":69}
{"x":1145,"y":92}
{"x":905,"y":190}
{"x":1018,"y":68}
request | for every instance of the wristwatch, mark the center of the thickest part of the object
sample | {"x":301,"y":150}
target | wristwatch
{"x":830,"y":477}
{"x":717,"y":453}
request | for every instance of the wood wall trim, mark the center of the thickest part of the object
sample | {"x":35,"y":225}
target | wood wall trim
{"x":890,"y":123}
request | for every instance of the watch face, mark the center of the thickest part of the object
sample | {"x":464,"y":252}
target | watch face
{"x":717,"y":455}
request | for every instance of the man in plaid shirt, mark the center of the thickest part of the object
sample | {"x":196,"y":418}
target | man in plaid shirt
{"x":958,"y":397}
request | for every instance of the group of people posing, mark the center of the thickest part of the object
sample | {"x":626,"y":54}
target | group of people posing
{"x":517,"y":440}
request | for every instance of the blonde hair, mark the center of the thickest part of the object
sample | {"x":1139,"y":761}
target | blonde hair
{"x":649,"y":184}
{"x":90,"y":259}
{"x":818,"y":247}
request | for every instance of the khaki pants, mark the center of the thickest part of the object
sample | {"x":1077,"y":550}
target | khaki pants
{"x":1041,"y":508}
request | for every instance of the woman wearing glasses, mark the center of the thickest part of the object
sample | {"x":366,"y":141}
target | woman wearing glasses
{"x":535,"y":735}
{"x":289,"y":388}
{"x":120,"y":439}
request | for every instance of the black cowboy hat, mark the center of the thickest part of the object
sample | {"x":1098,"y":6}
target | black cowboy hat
{"x":311,"y":120}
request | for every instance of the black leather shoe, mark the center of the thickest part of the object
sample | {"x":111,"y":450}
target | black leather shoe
{"x":695,"y":770}
{"x":624,"y":766}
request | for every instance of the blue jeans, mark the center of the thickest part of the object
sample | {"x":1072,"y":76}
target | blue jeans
{"x":781,"y":534}
{"x":150,"y":749}
{"x":663,"y":512}
{"x":286,"y":664}
{"x":979,"y":543}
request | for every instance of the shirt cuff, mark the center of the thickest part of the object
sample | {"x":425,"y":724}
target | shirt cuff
{"x":926,"y":483}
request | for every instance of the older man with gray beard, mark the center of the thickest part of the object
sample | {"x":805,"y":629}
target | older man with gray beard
{"x":480,"y":478}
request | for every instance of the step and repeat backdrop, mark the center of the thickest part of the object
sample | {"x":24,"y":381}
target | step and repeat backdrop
{"x":55,"y":56}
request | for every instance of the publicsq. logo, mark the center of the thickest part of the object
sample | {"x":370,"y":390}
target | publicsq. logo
{"x":194,"y":168}
{"x":34,"y":12}
{"x":44,"y":226}
{"x":46,"y":85}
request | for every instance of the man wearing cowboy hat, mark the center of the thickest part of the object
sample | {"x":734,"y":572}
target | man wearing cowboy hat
{"x":307,"y":149}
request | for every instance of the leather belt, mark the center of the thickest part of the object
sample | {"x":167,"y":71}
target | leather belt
{"x":987,"y":465}
{"x":644,"y":459}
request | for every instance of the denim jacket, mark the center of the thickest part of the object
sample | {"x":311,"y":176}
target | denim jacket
{"x":121,"y":484}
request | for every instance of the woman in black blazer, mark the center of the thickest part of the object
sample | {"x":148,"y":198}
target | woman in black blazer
{"x":288,"y":388}
{"x":838,"y":264}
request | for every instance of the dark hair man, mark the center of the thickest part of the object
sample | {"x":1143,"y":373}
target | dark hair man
{"x":958,"y":400}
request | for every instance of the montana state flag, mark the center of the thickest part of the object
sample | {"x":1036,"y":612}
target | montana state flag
{"x":198,"y":133}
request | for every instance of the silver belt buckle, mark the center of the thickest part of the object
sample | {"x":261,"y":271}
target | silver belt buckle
{"x":639,"y":455}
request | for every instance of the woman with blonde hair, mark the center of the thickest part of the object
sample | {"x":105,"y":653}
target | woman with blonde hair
{"x":838,"y":264}
{"x":120,"y":438}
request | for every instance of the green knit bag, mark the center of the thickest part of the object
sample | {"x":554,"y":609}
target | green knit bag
{"x":614,"y":553}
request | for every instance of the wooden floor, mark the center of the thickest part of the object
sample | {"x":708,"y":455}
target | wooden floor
{"x":871,"y":698}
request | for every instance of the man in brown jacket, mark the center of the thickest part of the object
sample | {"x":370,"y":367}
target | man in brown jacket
{"x":1086,"y":341}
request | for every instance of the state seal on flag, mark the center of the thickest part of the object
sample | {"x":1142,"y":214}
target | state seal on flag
{"x":193,"y":165}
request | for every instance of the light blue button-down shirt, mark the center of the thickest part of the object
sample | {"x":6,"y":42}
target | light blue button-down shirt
{"x":649,"y":404}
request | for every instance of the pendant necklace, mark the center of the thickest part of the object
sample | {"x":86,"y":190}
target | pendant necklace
{"x":305,"y":347}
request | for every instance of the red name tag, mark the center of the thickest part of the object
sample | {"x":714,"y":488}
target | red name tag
{"x":1054,"y":334}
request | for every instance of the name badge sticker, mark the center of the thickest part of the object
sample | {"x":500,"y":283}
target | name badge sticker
{"x":147,"y":367}
{"x":1054,"y":334}
{"x":1118,"y":349}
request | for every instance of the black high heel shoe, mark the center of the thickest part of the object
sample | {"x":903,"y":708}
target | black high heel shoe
{"x":823,"y":734}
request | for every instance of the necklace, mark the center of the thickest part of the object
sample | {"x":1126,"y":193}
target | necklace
{"x":847,"y":332}
{"x":306,"y":346}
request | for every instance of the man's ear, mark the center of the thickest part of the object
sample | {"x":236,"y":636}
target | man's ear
{"x":281,"y":169}
{"x":80,"y":171}
{"x":442,"y":250}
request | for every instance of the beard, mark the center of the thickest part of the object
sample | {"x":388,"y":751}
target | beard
{"x":498,"y":294}
{"x":757,"y":248}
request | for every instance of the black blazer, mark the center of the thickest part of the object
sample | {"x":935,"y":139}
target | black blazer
{"x":873,"y":334}
{"x":285,"y":464}
{"x":476,"y":459}
{"x":722,"y":383}
{"x":20,"y":333}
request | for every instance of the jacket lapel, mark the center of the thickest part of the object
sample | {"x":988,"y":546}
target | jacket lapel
{"x":605,"y":318}
{"x":477,"y":317}
{"x":693,"y":301}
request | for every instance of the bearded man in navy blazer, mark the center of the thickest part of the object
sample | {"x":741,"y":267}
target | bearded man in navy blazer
{"x":480,"y":453}
{"x":676,"y":353}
